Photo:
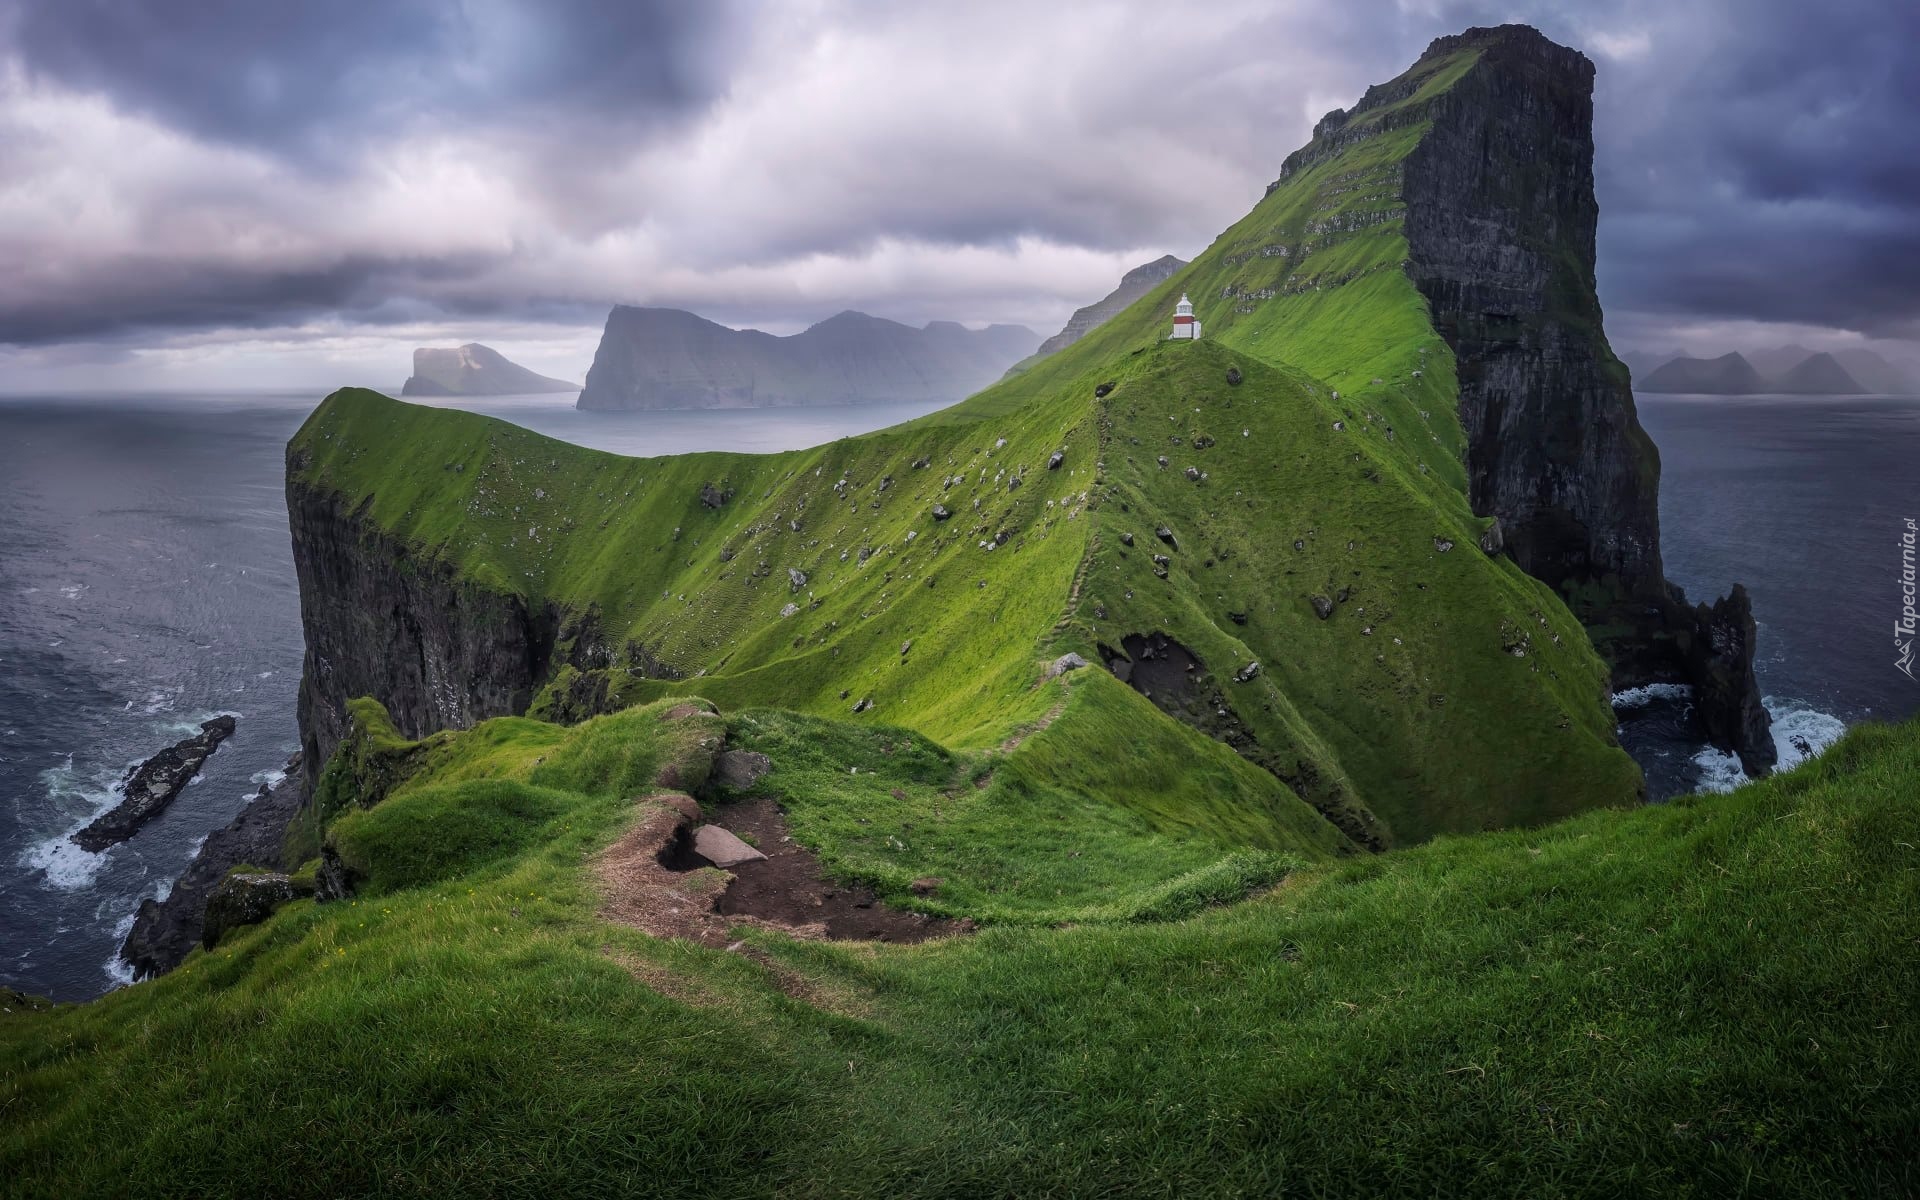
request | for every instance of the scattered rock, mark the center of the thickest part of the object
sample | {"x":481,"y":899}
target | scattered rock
{"x":1193,"y":473}
{"x":1165,"y":535}
{"x":1161,"y":560}
{"x":940,"y":512}
{"x":1055,"y":459}
{"x":922,"y":463}
{"x":866,"y":702}
{"x":1339,"y":425}
{"x":1126,"y":539}
{"x":714,"y":497}
{"x":1100,"y":393}
{"x":153,"y":785}
{"x":1162,"y":460}
{"x":1442,"y":544}
{"x":739,"y":770}
{"x":243,"y":899}
{"x":789,"y":609}
{"x":723,"y":849}
{"x":1322,"y":606}
{"x":1238,"y":618}
{"x":1493,"y":539}
{"x":1247,"y":672}
{"x":796,"y":578}
{"x":905,"y":646}
{"x":1063,"y":664}
{"x":1233,"y":376}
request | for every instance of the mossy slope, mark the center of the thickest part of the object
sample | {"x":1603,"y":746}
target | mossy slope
{"x":1710,"y":997}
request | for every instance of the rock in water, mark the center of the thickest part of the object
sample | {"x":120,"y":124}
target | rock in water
{"x":475,"y":370}
{"x":152,"y":785}
{"x":165,"y":930}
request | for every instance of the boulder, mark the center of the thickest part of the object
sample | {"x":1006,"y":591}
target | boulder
{"x":714,"y":497}
{"x":740,"y":769}
{"x":243,"y":899}
{"x":796,"y":579}
{"x":1493,"y":539}
{"x":1322,"y":606}
{"x":722,"y":848}
{"x":1100,"y":393}
{"x":940,"y":512}
{"x":1055,"y":459}
{"x":1063,"y":664}
{"x":1233,"y":376}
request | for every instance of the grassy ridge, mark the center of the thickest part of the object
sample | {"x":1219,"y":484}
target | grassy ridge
{"x":1710,"y":997}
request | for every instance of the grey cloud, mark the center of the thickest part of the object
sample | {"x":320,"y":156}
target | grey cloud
{"x":313,"y":76}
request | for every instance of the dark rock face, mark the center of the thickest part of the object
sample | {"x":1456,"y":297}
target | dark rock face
{"x":165,"y":930}
{"x":1180,"y":685}
{"x":152,"y":785}
{"x":437,"y":650}
{"x":1500,"y":223}
{"x":243,"y":899}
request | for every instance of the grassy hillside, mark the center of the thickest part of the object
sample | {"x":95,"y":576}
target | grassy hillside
{"x":1711,"y":997}
{"x":1446,"y":692}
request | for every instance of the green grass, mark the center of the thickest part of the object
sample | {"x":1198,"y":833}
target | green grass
{"x":1712,"y":997}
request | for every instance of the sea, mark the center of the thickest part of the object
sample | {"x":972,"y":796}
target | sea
{"x":146,"y":584}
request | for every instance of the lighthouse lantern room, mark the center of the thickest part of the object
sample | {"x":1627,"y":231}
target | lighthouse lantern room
{"x":1185,"y":324}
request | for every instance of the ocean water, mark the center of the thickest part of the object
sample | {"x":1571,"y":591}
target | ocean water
{"x":146,"y":583}
{"x":1801,"y":498}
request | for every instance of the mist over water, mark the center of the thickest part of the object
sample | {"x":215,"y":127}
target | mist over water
{"x":146,"y":583}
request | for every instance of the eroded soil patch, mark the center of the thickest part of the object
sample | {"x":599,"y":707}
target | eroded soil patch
{"x":654,"y":881}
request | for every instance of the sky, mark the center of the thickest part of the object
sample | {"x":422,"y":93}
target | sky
{"x":228,"y":194}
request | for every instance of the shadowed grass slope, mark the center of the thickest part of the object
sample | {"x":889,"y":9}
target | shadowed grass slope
{"x":1705,"y":998}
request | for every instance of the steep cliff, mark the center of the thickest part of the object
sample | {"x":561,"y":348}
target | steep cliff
{"x":652,"y":358}
{"x":1500,"y":227}
{"x":440,"y":650}
{"x":475,"y":370}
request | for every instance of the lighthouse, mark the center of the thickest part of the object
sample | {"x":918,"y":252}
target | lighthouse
{"x":1185,"y":324}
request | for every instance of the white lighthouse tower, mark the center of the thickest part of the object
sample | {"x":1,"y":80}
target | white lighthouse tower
{"x":1185,"y":324}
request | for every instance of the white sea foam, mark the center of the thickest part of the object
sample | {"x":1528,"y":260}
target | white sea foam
{"x":118,"y":969}
{"x":273,"y":777}
{"x":66,"y":866}
{"x":1639,"y":697}
{"x":1800,"y":733}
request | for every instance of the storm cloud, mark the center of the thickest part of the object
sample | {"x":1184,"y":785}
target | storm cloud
{"x":213,"y":169}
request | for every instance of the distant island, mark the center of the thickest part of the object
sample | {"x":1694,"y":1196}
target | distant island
{"x":1787,"y":370}
{"x":667,"y":358}
{"x":475,"y":370}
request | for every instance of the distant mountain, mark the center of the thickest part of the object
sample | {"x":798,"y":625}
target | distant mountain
{"x":654,"y":358}
{"x":1876,"y":374}
{"x":475,"y":370}
{"x":1728,"y":375}
{"x":1788,"y":370}
{"x":1819,"y":375}
{"x":1133,"y":285}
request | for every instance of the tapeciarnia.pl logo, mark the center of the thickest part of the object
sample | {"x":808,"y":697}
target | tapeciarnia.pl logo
{"x":1903,"y":626}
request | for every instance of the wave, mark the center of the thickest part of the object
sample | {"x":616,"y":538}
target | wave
{"x":1640,"y":697}
{"x":1800,"y":734}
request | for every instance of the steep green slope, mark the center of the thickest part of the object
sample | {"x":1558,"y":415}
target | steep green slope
{"x":1711,"y":997}
{"x":1445,"y":692}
